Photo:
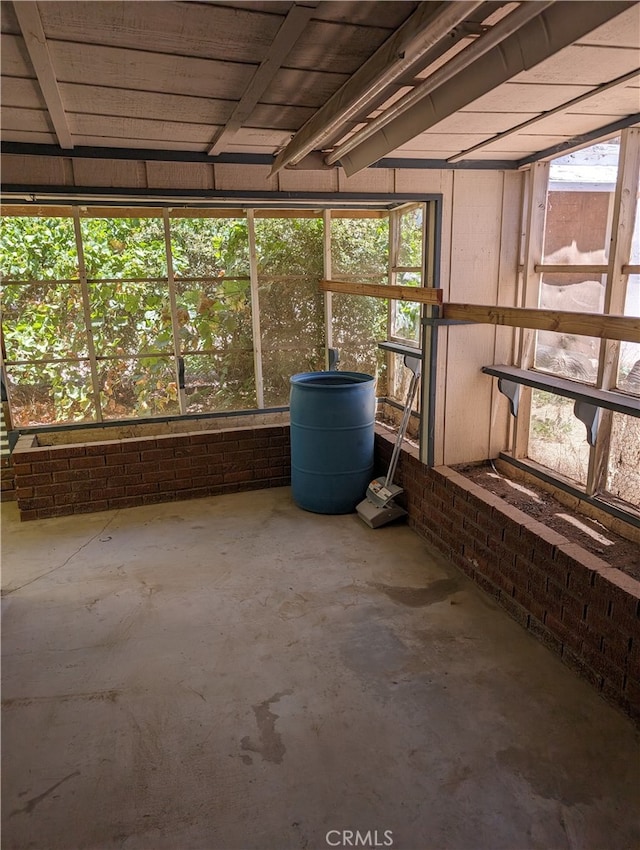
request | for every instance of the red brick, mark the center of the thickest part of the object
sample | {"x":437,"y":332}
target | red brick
{"x":140,"y":489}
{"x":50,"y":465}
{"x":84,"y":486}
{"x":27,"y":492}
{"x":520,"y":614}
{"x":194,"y":493}
{"x":156,"y":498}
{"x":123,"y":458}
{"x":624,"y":592}
{"x":603,"y":666}
{"x":206,"y":480}
{"x":169,"y":441}
{"x":141,"y":467}
{"x":68,"y":451}
{"x":236,"y":477}
{"x":60,"y":510}
{"x":106,"y":471}
{"x":22,"y":468}
{"x":600,"y":626}
{"x":34,"y":480}
{"x":37,"y":454}
{"x":28,"y":515}
{"x":580,"y":578}
{"x":617,"y":652}
{"x":103,"y":448}
{"x":69,"y":498}
{"x":182,"y":483}
{"x":35,"y":503}
{"x":578,"y":664}
{"x":233,"y":446}
{"x":87,"y":462}
{"x":124,"y":480}
{"x":70,"y":475}
{"x":517,"y":544}
{"x":125,"y":502}
{"x":545,"y":635}
{"x":529,"y":602}
{"x":155,"y":454}
{"x":561,"y":630}
{"x":91,"y":507}
{"x":109,"y":492}
{"x":202,"y":438}
{"x":190,"y":451}
{"x":160,"y":475}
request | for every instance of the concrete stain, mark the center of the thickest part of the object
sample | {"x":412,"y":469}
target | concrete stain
{"x":546,"y":776}
{"x":420,"y":597}
{"x":107,"y":696}
{"x":270,"y":747}
{"x":30,"y":804}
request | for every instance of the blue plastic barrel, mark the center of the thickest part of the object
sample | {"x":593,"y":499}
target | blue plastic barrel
{"x":332,"y":421}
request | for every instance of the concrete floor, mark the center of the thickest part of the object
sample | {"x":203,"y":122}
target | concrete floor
{"x":235,"y":674}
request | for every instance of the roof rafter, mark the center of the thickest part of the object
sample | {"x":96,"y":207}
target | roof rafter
{"x":36,"y":43}
{"x":292,"y":28}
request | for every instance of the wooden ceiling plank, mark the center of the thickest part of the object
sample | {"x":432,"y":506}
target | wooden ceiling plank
{"x":164,"y":27}
{"x":583,"y":62}
{"x":130,"y":70}
{"x":17,"y":91}
{"x":121,"y":68}
{"x":15,"y":118}
{"x":14,"y":56}
{"x":292,"y":28}
{"x":580,"y":99}
{"x":133,"y":103}
{"x":29,"y":19}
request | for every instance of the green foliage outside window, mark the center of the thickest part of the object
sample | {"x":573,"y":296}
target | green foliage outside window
{"x":360,"y":252}
{"x":132,"y":322}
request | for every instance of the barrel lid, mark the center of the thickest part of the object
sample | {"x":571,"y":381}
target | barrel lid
{"x":330,"y":379}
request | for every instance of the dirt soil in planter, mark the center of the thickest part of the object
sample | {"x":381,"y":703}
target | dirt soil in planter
{"x":542,"y":506}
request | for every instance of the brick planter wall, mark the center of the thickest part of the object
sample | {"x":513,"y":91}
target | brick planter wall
{"x":583,"y":609}
{"x":8,"y":484}
{"x":85,"y":477}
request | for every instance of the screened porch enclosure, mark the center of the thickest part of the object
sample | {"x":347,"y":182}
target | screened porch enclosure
{"x":111,"y":315}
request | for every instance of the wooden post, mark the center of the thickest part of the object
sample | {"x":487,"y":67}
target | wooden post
{"x":535,"y":215}
{"x":173,"y":306}
{"x":622,"y":227}
{"x":328,"y":296}
{"x":429,"y":340}
{"x":86,"y":309}
{"x":255,"y":311}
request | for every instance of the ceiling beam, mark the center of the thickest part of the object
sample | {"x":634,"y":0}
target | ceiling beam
{"x":36,"y":43}
{"x":494,"y":36}
{"x":292,"y":28}
{"x":397,"y":57}
{"x":562,"y":108}
{"x":555,"y":27}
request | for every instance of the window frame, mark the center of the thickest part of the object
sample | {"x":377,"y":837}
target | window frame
{"x":616,"y":273}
